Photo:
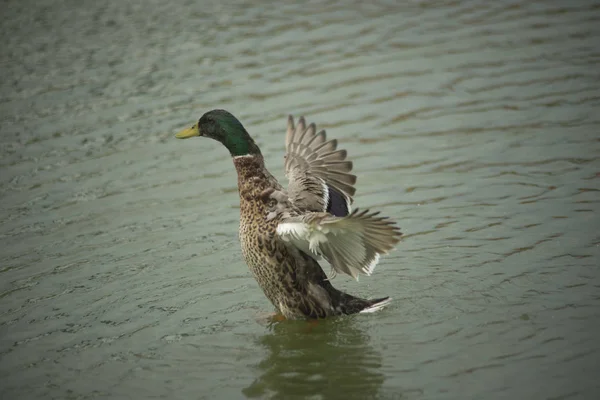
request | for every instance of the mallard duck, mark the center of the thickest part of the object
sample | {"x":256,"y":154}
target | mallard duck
{"x":284,"y":233}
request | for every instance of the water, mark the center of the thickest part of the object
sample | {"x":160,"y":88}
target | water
{"x":474,"y":124}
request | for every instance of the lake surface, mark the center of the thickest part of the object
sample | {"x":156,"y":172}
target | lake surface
{"x":474,"y":124}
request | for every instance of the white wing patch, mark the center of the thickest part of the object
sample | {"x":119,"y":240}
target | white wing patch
{"x":352,"y":245}
{"x":297,"y":233}
{"x":325,"y":195}
{"x":292,"y":230}
{"x":303,"y":236}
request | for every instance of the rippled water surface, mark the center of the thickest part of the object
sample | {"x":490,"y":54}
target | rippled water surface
{"x":475,"y":124}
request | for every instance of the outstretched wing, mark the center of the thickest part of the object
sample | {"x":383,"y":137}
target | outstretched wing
{"x":351,"y":244}
{"x":319,"y":174}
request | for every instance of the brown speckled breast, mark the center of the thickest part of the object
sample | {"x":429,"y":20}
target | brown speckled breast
{"x":280,"y":270}
{"x":256,"y":233}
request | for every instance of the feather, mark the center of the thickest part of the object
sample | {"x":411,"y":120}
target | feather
{"x":352,"y":244}
{"x":376,"y":306}
{"x":317,"y":171}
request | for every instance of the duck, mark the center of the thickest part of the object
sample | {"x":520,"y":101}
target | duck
{"x":285,"y":232}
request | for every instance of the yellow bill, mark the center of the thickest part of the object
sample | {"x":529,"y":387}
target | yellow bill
{"x":189,"y":132}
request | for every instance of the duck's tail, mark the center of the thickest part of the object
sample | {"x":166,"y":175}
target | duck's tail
{"x":376,"y":305}
{"x":353,"y":305}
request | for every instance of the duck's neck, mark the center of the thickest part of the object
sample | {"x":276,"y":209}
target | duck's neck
{"x":237,"y":140}
{"x":253,"y":176}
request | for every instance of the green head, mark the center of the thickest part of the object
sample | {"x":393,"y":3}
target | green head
{"x":225,"y":128}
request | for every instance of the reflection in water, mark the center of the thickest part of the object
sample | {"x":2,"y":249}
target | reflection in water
{"x":329,"y":359}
